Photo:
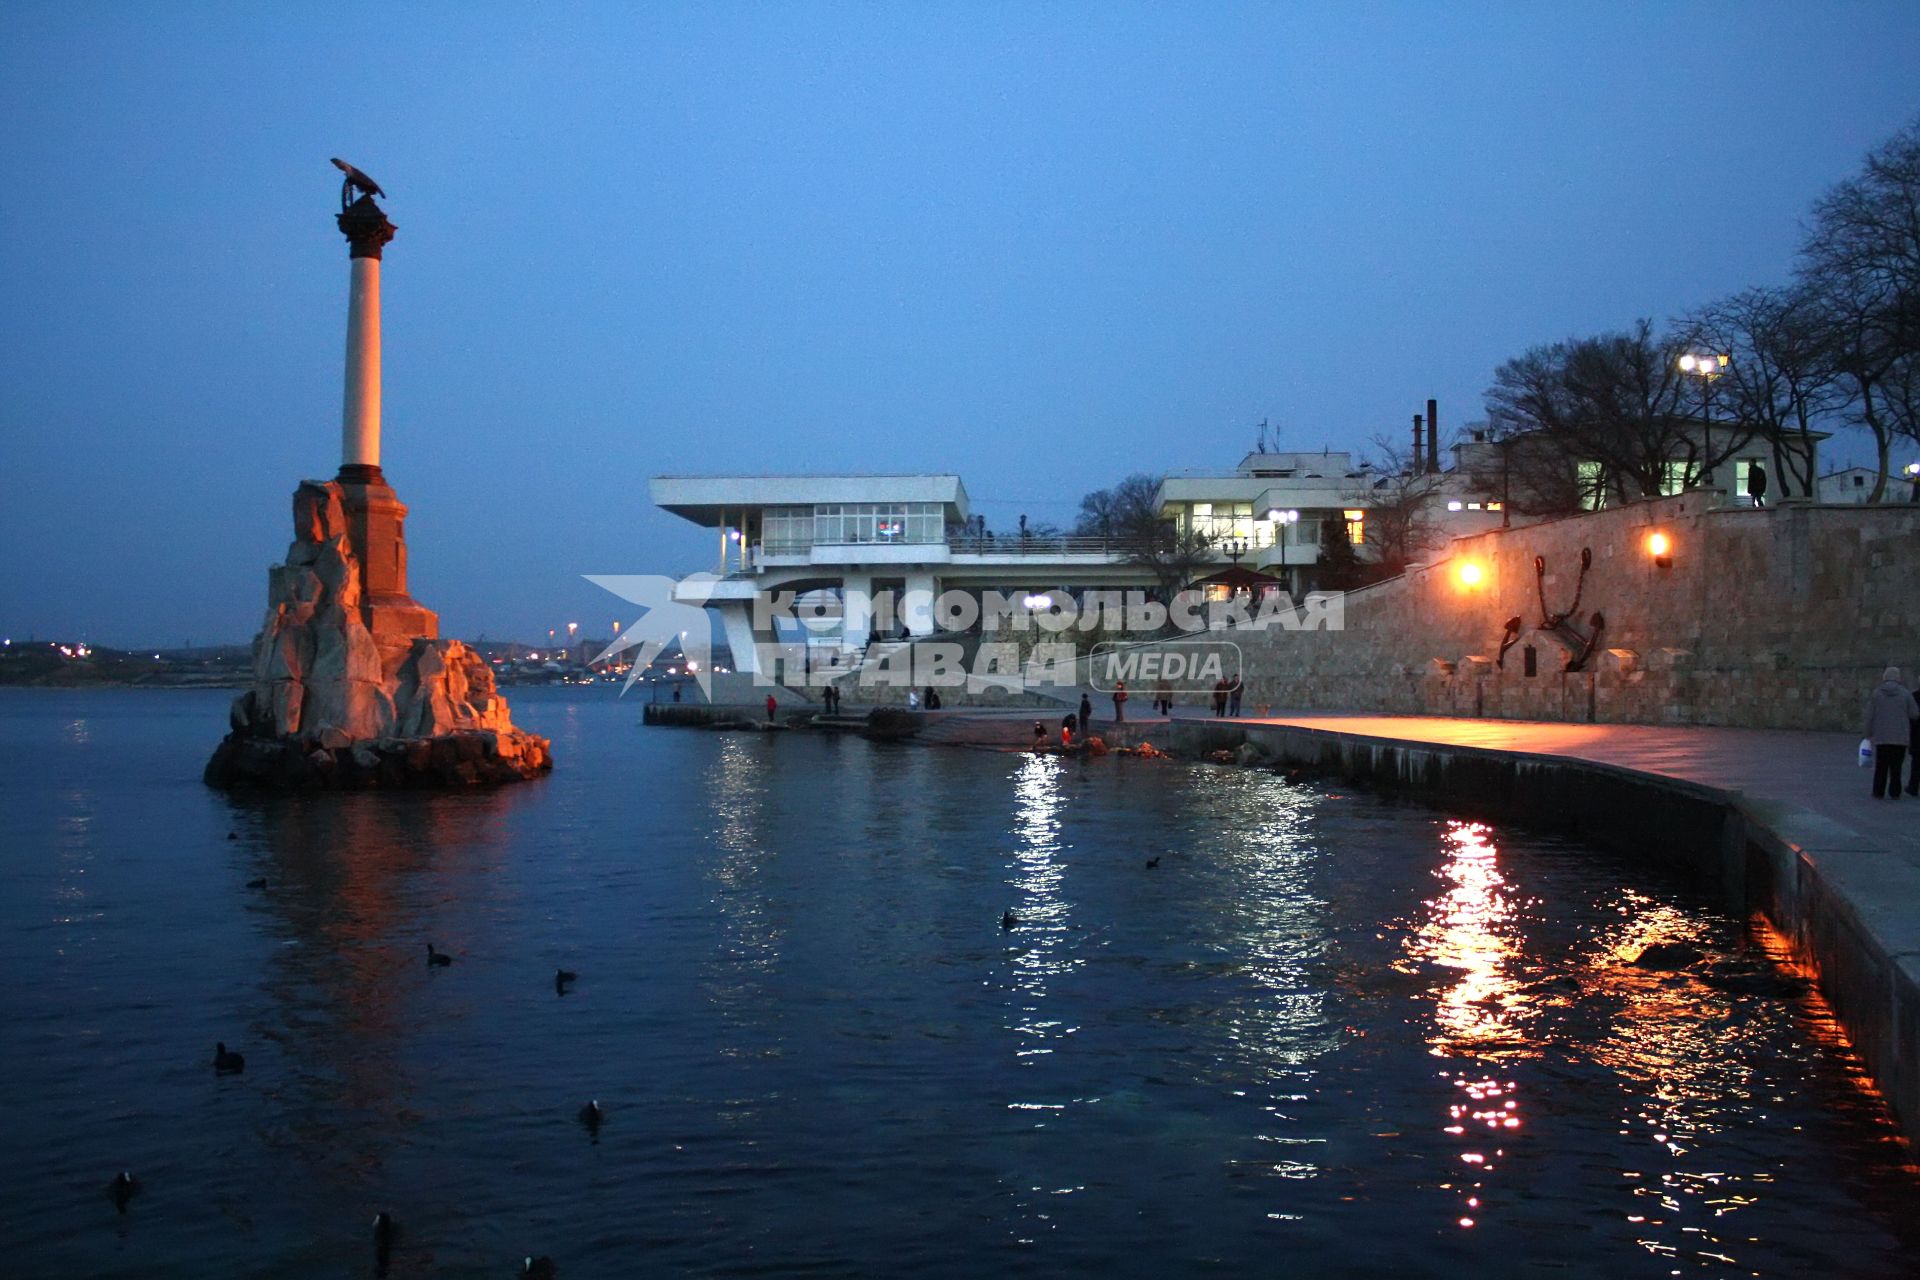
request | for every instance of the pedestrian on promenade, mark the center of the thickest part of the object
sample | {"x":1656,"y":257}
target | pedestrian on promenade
{"x":1086,"y":712}
{"x":932,"y":699}
{"x":1163,"y":698}
{"x":1119,"y":701}
{"x":913,"y":700}
{"x":1913,"y":751}
{"x":770,"y":707}
{"x":1234,"y":691}
{"x":1891,"y":712}
{"x":1757,"y":484}
{"x":1220,"y":697}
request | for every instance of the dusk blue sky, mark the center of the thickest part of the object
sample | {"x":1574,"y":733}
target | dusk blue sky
{"x":1039,"y":245}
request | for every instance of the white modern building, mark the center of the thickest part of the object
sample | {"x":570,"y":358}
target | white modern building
{"x":1854,"y":485}
{"x":851,"y":547}
{"x":1270,"y":518}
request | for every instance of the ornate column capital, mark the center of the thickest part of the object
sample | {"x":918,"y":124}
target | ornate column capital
{"x":366,"y":228}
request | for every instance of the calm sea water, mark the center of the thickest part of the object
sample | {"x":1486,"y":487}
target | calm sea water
{"x":1325,"y":1036}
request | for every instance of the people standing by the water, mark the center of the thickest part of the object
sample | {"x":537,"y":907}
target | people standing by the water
{"x":932,"y":700}
{"x":1039,"y":735}
{"x":771,"y":707}
{"x":1220,"y":697}
{"x":1086,"y":712}
{"x":1891,"y":712}
{"x":1234,"y":690}
{"x":1068,"y":723}
{"x":1119,"y":701}
{"x":1163,"y":698}
{"x":913,"y":699}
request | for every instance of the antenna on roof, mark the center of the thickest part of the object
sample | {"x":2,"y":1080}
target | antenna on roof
{"x":1264,"y":446}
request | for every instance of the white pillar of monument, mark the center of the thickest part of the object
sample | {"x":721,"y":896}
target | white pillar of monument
{"x":360,"y":411}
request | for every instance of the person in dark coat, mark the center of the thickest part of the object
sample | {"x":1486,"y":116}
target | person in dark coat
{"x":1220,"y":693}
{"x":1913,"y":751}
{"x":1891,"y":712}
{"x":1086,"y":712}
{"x":1757,"y":484}
{"x":1234,"y":692}
{"x":1119,"y":701}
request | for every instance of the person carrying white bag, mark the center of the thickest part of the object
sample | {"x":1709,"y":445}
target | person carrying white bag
{"x":1891,"y":711}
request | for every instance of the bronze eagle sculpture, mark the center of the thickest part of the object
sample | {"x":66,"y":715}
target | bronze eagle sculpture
{"x":356,"y":181}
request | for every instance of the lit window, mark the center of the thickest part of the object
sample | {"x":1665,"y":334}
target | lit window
{"x":1356,"y":526}
{"x":1592,"y":479}
{"x":1453,"y":506}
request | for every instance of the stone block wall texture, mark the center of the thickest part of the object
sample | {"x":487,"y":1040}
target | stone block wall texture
{"x":1777,"y":618}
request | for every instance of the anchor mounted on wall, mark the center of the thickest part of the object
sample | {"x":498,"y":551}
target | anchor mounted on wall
{"x":1508,"y":639}
{"x":1580,"y":646}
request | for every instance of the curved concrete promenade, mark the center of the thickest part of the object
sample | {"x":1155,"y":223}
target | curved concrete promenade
{"x":1772,"y":820}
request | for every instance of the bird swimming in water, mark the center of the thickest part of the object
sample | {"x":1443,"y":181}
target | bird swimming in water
{"x":225,"y":1063}
{"x":591,"y":1115}
{"x":261,"y":883}
{"x":123,"y":1188}
{"x":540,"y":1268}
{"x":1153,"y":862}
{"x":562,"y":978}
{"x":385,"y":1232}
{"x":1009,"y":920}
{"x":437,"y":959}
{"x":233,"y":835}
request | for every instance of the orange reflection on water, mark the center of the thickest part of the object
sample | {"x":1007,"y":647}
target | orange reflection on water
{"x":1470,"y":930}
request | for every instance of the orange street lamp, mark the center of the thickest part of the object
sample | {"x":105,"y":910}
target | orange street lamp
{"x":1660,"y":547}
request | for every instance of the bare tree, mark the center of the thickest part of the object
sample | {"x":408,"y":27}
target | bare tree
{"x":1783,"y":378}
{"x":1122,"y":512}
{"x":1617,"y":401}
{"x":1126,"y":516}
{"x":1398,"y":494}
{"x":1861,"y":261}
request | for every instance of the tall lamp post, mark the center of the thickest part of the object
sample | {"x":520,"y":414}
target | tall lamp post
{"x":1706,"y":368}
{"x":1284,"y":519}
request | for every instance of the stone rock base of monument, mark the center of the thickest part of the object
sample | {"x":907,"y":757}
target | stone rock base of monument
{"x":351,"y":686}
{"x":471,"y":758}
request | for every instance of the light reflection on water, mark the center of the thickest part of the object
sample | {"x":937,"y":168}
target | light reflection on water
{"x":1320,"y":1029}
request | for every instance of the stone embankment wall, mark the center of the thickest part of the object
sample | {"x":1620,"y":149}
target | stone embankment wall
{"x":1776,"y":618}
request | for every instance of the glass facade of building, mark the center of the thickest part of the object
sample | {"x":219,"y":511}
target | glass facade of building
{"x":797,"y":528}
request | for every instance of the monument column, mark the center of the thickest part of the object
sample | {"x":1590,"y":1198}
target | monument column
{"x":376,"y":518}
{"x":368,"y":231}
